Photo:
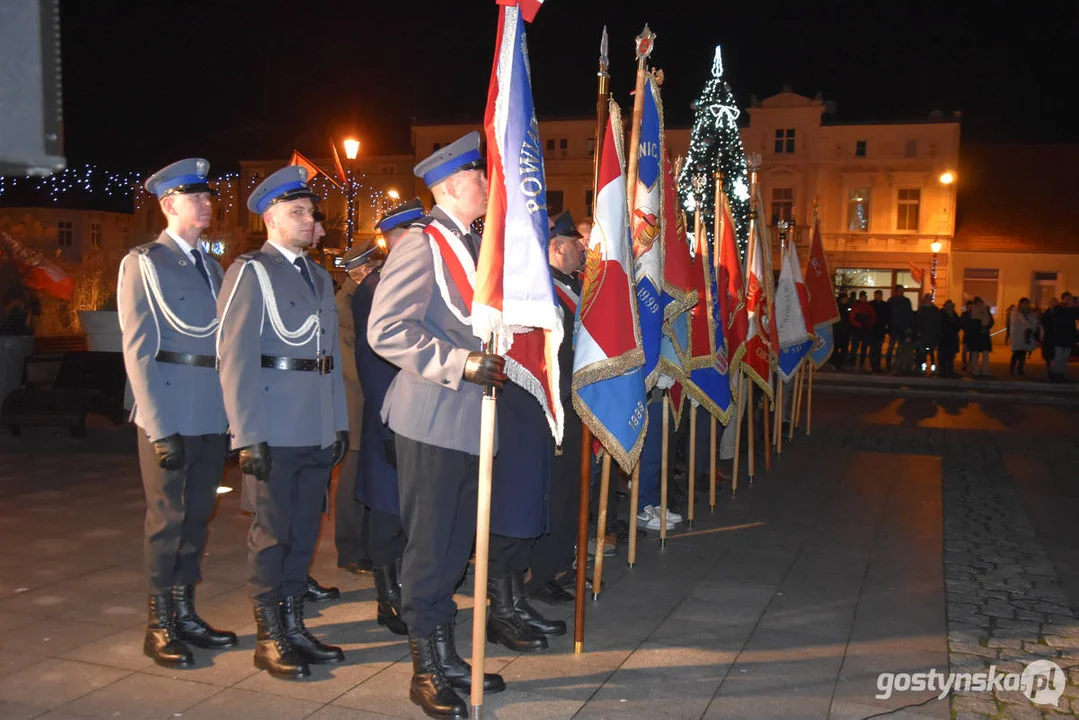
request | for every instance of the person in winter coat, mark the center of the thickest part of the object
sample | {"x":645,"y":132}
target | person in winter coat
{"x":1023,"y":330}
{"x":927,"y":329}
{"x":862,"y":320}
{"x":979,"y":342}
{"x":841,"y":332}
{"x":1048,"y":349}
{"x":1064,"y":336}
{"x":949,"y":340}
{"x":900,"y":320}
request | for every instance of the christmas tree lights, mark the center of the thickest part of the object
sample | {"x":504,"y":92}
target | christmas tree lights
{"x":716,"y":145}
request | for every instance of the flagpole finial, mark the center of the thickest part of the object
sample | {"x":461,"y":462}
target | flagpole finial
{"x":604,"y":62}
{"x":645,"y":42}
{"x":717,"y":63}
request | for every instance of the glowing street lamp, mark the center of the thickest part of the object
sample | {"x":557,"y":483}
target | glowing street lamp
{"x":947,"y":177}
{"x":352,"y":149}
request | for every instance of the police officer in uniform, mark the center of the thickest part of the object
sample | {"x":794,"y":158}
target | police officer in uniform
{"x":285,"y":398}
{"x":376,"y":482}
{"x":553,"y":552}
{"x":419,"y":322}
{"x":168,"y":318}
{"x":350,"y":516}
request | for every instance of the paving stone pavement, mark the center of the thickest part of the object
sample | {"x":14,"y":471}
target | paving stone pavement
{"x":903,"y":535}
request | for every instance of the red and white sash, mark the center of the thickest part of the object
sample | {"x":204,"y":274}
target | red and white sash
{"x":566,"y":293}
{"x":452,"y":258}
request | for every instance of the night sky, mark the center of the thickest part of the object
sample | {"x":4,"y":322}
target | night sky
{"x":149,"y":81}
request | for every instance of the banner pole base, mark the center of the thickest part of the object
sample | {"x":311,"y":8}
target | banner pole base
{"x":663,"y":544}
{"x":631,"y":565}
{"x":477,"y":712}
{"x":578,"y":648}
{"x":595,"y":597}
{"x":711,"y":508}
{"x":689,"y":524}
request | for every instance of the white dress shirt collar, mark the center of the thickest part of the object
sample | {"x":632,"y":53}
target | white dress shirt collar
{"x":289,"y":255}
{"x":465,"y":230}
{"x":182,"y":244}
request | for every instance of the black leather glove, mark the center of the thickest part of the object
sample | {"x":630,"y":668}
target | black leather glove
{"x":389,"y":450}
{"x":340,"y":447}
{"x":485,"y":369}
{"x":255,"y":460}
{"x":170,"y":452}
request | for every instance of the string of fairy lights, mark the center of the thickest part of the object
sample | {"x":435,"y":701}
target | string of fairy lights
{"x":232,"y":188}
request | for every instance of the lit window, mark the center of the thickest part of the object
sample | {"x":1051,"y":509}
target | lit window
{"x":908,"y":202}
{"x":858,"y":210}
{"x":95,"y":236}
{"x":782,"y":204}
{"x":859,"y":148}
{"x":784,"y":141}
{"x":64,"y":233}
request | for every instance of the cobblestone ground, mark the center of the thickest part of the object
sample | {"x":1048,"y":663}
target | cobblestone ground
{"x":1006,"y":604}
{"x":904,"y":534}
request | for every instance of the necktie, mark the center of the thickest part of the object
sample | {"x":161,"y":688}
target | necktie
{"x":201,"y":267}
{"x":298,"y":262}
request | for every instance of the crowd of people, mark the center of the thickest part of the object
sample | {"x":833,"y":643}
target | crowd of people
{"x":382,"y":378}
{"x":926,"y":340}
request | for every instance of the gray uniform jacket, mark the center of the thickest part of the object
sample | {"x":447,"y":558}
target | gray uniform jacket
{"x":347,"y":335}
{"x":169,"y":398}
{"x":413,"y":328}
{"x":286,"y":408}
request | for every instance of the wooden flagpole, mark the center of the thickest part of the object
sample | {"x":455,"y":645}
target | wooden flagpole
{"x":749,"y":425}
{"x":809,"y":405}
{"x":644,"y":43}
{"x":712,"y":467}
{"x":634,"y":499}
{"x":779,"y":418}
{"x":692,"y":460}
{"x":488,"y":413}
{"x":601,"y":527}
{"x":602,"y":99}
{"x":796,"y":397}
{"x":767,"y":435}
{"x":737,"y":420}
{"x":663,"y":474}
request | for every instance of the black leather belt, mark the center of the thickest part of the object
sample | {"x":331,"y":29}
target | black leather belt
{"x":208,"y":361}
{"x":322,"y":365}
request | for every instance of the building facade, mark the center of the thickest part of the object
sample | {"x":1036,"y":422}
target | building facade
{"x":878,"y":187}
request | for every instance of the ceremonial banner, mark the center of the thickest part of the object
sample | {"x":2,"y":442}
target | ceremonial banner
{"x":731,"y":286}
{"x":823,"y":311}
{"x":337,"y":163}
{"x":300,"y":160}
{"x":608,"y":377}
{"x":37,"y":272}
{"x":707,"y":368}
{"x":515,"y":297}
{"x":757,"y":362}
{"x":647,"y":228}
{"x":795,"y":333}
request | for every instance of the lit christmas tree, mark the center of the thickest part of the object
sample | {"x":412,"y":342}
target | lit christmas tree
{"x":716,"y":144}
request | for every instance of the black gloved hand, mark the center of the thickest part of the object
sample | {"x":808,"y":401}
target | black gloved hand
{"x":340,"y":447}
{"x":389,"y":450}
{"x":170,"y":452}
{"x":485,"y":369}
{"x":255,"y":460}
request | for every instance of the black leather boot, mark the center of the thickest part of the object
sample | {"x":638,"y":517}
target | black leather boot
{"x":457,"y":671}
{"x":504,"y":625}
{"x":318,"y":593}
{"x":162,"y":642}
{"x":301,"y":639}
{"x":429,"y":688}
{"x":529,"y":614}
{"x":388,"y":588}
{"x":193,"y":629}
{"x":273,"y":652}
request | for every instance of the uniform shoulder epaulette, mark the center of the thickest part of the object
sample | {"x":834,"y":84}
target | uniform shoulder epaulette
{"x":249,"y":256}
{"x":421,"y":223}
{"x":146,"y":247}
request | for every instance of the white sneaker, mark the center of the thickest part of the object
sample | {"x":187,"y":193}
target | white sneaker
{"x":651,"y":518}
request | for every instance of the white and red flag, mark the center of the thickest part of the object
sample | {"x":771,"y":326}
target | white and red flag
{"x":37,"y":272}
{"x":515,"y":297}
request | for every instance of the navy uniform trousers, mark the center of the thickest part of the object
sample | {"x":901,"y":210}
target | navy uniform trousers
{"x":285,"y":529}
{"x":179,"y":504}
{"x":438,"y":489}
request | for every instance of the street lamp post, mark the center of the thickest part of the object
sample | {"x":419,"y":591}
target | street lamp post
{"x":352,"y":149}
